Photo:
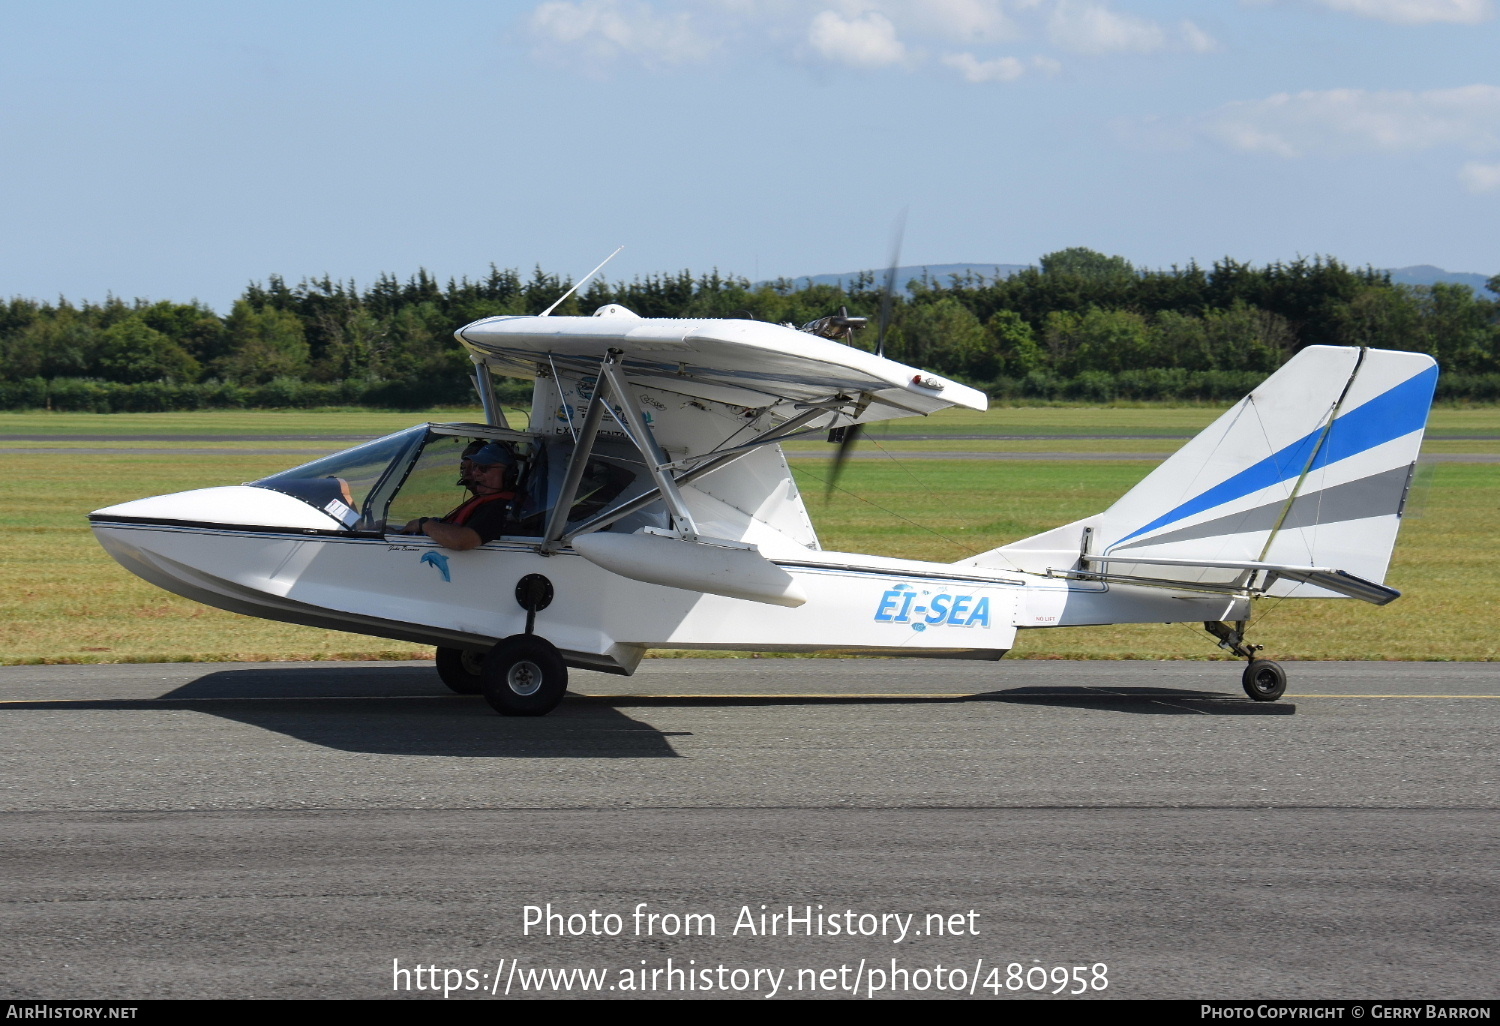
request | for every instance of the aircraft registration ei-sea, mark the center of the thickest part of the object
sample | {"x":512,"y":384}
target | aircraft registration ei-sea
{"x":654,"y":508}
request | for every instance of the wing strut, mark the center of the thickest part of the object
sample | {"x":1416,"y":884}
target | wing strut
{"x":723,"y":459}
{"x":484,"y":384}
{"x":583,"y":447}
{"x":611,"y":381}
{"x":638,"y":431}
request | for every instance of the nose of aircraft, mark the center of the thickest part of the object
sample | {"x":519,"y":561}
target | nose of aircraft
{"x":229,"y":506}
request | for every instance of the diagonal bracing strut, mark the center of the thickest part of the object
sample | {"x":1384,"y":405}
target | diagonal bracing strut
{"x":557,"y":519}
{"x":628,"y":415}
{"x":723,"y":459}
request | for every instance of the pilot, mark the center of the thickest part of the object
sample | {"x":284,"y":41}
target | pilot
{"x":485,"y":517}
{"x":466,"y":464}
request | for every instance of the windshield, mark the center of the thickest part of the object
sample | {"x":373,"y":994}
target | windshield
{"x":432,"y":488}
{"x":341,"y":484}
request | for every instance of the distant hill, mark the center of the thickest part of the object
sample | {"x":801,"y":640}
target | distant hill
{"x":940,"y":273}
{"x":1418,"y":274}
{"x":1426,"y":274}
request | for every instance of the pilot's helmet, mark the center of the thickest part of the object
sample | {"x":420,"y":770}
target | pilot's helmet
{"x":492,"y":454}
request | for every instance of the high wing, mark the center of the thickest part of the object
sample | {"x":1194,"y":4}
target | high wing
{"x":745,"y":363}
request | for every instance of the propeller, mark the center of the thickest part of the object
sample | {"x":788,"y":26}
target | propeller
{"x":888,"y":289}
{"x":847,"y":437}
{"x":839,"y":326}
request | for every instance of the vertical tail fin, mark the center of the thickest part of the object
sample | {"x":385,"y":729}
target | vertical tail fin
{"x":1310,"y":469}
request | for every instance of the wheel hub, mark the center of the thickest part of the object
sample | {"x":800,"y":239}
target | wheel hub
{"x":524,"y":678}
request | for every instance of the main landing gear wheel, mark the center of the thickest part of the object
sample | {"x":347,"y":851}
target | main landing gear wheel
{"x":1264,"y":680}
{"x":524,"y":675}
{"x":461,"y":669}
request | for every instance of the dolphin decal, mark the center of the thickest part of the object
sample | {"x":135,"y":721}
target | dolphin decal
{"x":440,"y":561}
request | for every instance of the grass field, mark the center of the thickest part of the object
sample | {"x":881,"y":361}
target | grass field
{"x":64,"y":600}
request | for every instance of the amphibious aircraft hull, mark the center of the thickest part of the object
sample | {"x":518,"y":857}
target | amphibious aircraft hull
{"x":413,"y":590}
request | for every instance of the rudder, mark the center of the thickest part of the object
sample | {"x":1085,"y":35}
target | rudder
{"x":1310,"y":469}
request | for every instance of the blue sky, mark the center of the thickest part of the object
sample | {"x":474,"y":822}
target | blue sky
{"x":180,"y":150}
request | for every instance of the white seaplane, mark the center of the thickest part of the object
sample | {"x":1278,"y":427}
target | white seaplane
{"x":655,"y":509}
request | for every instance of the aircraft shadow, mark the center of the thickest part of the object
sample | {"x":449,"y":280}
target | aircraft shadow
{"x":1149,"y":701}
{"x":1146,"y":701}
{"x":402,"y":711}
{"x":455,"y":726}
{"x":407,"y":711}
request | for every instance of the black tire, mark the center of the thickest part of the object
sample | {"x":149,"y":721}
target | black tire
{"x":1264,"y":680}
{"x":461,"y":669}
{"x":524,"y":675}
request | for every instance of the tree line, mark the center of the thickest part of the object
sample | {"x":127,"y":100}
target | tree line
{"x":1079,"y":325}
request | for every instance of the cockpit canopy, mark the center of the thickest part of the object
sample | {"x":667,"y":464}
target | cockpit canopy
{"x":378,"y":487}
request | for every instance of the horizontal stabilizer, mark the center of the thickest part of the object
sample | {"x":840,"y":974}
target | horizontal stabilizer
{"x":1329,"y":579}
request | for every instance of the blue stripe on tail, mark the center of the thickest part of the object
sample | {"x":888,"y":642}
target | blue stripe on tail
{"x":1396,"y":412}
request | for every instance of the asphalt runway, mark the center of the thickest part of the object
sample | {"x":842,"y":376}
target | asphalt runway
{"x":313,"y":830}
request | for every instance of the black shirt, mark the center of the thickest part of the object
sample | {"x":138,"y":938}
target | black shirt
{"x":486,"y":515}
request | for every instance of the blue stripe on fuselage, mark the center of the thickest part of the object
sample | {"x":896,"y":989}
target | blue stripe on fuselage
{"x":1393,"y":413}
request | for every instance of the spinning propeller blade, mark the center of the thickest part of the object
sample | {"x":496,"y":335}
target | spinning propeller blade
{"x":848,"y":437}
{"x":888,"y":289}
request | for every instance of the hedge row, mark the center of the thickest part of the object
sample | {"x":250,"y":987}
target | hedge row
{"x":1473,"y":388}
{"x":1104,"y":387}
{"x":1204,"y":386}
{"x":86,"y":395}
{"x":89,"y":395}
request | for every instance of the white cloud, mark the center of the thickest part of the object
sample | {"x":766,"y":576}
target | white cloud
{"x":603,"y":31}
{"x":1196,"y":39}
{"x":1355,"y":120}
{"x":1002,"y":69}
{"x":863,"y":41}
{"x":1417,"y":12}
{"x":1479,"y":177}
{"x":865,"y":34}
{"x":1094,"y":29}
{"x":1090,"y":28}
{"x":970,"y":21}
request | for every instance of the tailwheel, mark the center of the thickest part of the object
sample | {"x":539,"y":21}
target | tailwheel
{"x":1264,"y":680}
{"x":461,"y":669}
{"x":524,"y":675}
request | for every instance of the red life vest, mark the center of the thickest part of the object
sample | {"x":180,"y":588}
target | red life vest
{"x":461,"y":515}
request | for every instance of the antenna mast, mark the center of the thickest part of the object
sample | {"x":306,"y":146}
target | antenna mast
{"x":579,"y":282}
